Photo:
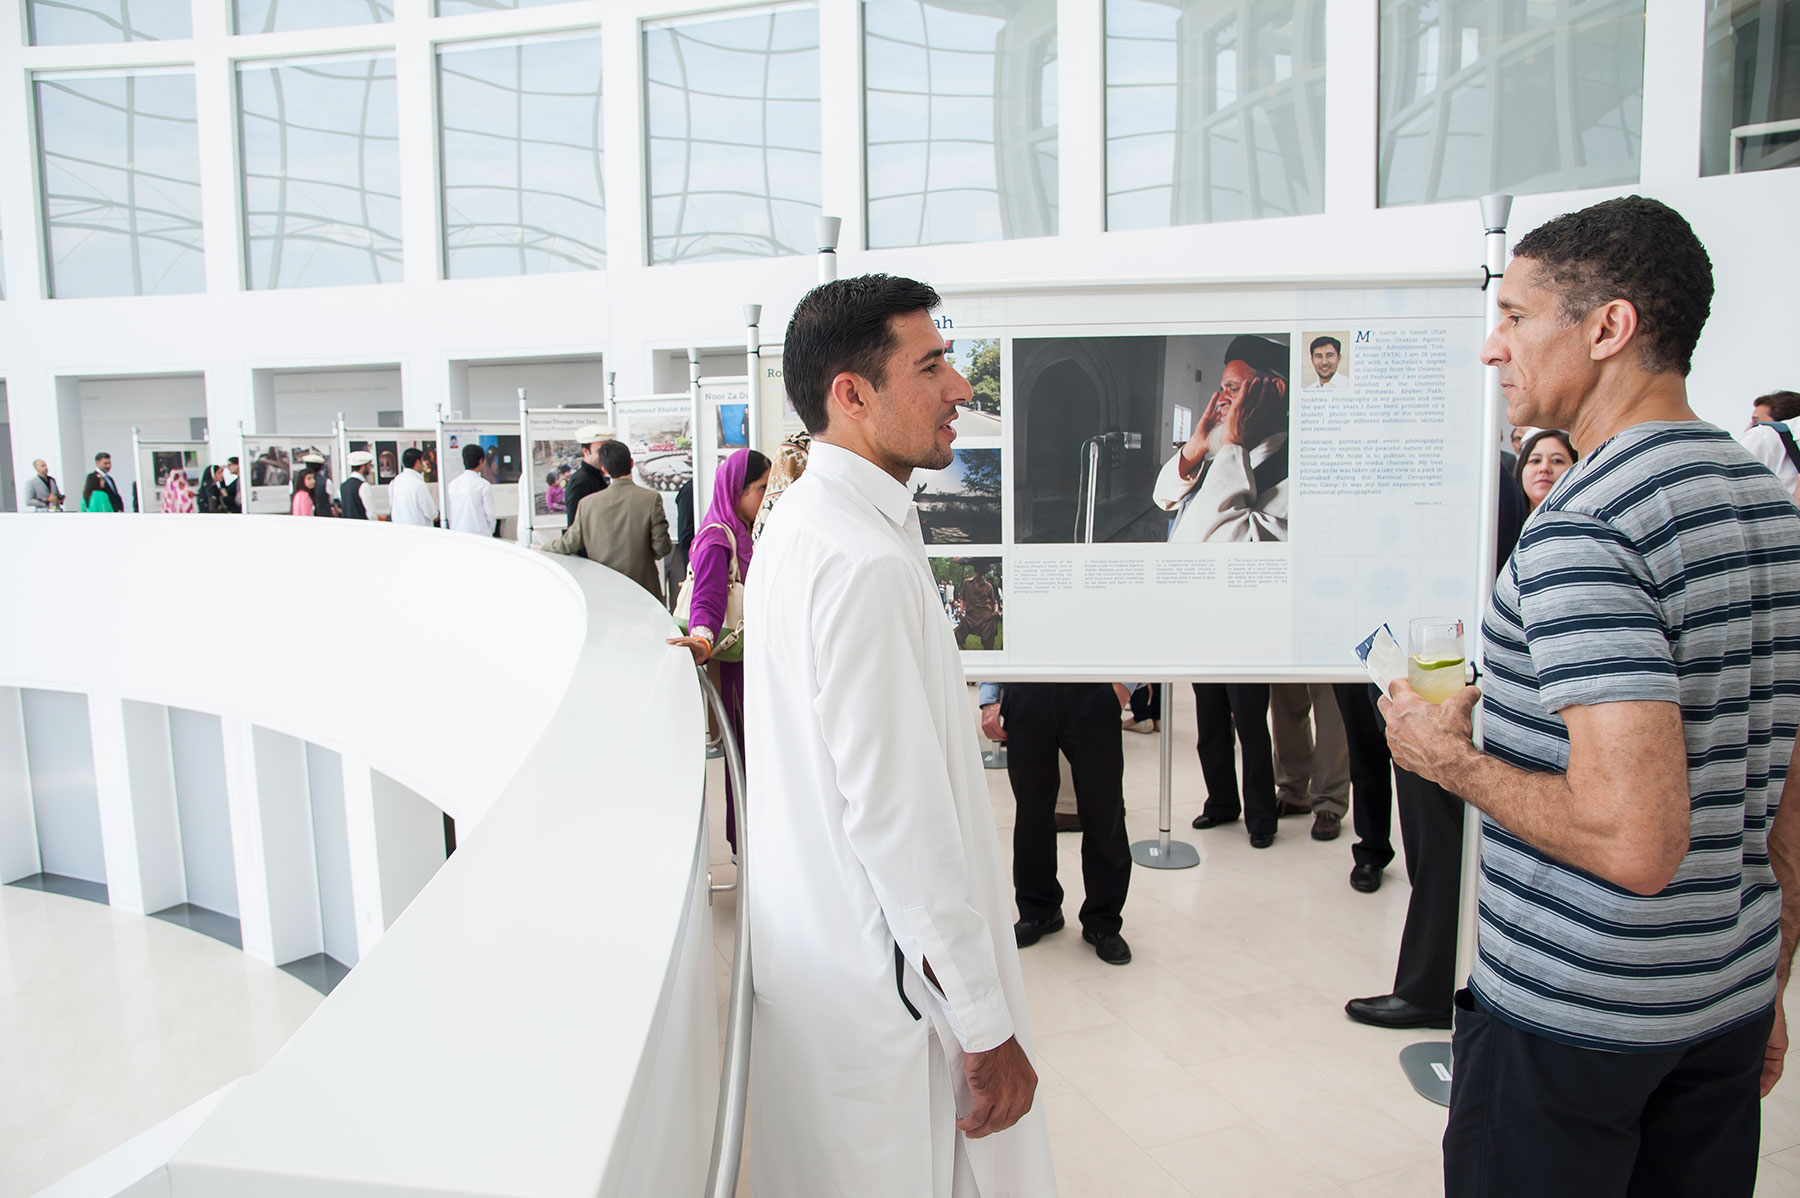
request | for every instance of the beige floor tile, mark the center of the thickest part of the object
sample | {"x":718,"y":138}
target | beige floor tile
{"x":1773,"y":1181}
{"x":1136,"y":1085}
{"x":1242,"y":1162}
{"x":1094,"y":1159}
{"x":1423,"y":1180}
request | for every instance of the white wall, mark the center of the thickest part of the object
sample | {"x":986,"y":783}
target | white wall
{"x":18,"y":822}
{"x":65,"y":798}
{"x":309,"y":401}
{"x":197,"y":755}
{"x":409,"y":840}
{"x":494,"y":386}
{"x":161,"y":409}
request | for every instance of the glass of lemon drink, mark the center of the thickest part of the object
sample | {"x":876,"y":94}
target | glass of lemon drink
{"x":1434,"y":661}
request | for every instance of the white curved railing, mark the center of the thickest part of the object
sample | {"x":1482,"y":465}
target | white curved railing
{"x":542,"y":1018}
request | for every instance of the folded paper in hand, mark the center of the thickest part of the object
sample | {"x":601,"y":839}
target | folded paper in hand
{"x":1382,"y":657}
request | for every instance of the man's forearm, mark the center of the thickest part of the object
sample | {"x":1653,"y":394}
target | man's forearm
{"x":1784,"y":859}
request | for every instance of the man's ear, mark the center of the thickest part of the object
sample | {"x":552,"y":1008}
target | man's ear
{"x":848,"y":396}
{"x":1611,"y":327}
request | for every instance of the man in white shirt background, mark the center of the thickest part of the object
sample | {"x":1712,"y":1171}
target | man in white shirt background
{"x":1327,"y":355}
{"x":470,"y":497}
{"x":1769,"y":439}
{"x":409,"y":496}
{"x":888,"y":991}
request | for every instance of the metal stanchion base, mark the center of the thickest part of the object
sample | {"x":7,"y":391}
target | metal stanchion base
{"x":994,"y":758}
{"x":1427,"y":1067}
{"x":1150,"y":854}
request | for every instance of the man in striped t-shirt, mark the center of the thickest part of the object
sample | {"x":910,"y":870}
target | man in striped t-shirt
{"x":1640,"y":899}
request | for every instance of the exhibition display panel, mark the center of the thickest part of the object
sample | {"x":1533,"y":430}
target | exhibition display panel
{"x":389,"y":446}
{"x":274,"y":461}
{"x":504,"y":467}
{"x":166,"y":469}
{"x":1194,"y":519}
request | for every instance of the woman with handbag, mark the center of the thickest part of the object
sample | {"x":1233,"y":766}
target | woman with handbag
{"x":711,"y":606}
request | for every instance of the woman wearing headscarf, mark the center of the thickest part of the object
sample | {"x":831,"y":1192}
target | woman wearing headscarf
{"x":722,"y":550}
{"x":177,"y":496}
{"x":304,"y":488}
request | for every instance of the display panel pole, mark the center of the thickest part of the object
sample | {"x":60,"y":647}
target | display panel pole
{"x":525,"y":510}
{"x":825,"y":231}
{"x":1164,"y":853}
{"x":753,"y":370}
{"x":612,"y":395}
{"x":1428,"y":1065}
{"x":137,"y":467}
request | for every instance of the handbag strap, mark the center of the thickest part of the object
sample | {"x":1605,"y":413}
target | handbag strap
{"x":732,"y":538}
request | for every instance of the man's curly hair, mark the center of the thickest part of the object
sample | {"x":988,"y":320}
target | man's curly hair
{"x":1638,"y":250}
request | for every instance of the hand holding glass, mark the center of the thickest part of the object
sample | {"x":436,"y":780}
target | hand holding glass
{"x":1434,"y":663}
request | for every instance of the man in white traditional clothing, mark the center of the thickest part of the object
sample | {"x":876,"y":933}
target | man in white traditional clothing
{"x":1229,"y":482}
{"x":890,"y":1055}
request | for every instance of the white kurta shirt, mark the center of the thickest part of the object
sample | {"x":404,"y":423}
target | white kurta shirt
{"x":410,"y":501}
{"x":1765,"y":445}
{"x":1222,"y":502}
{"x":470,"y":499}
{"x":869,"y":826}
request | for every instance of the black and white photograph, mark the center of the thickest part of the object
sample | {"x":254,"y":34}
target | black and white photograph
{"x":960,"y":504}
{"x":970,"y":589}
{"x":1150,"y":438}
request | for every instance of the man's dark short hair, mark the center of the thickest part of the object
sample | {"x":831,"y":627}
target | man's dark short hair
{"x":1637,"y":250}
{"x":412,"y":457}
{"x":615,"y":459}
{"x":473,"y":456}
{"x":1782,"y":405}
{"x":1319,"y":342}
{"x":231,"y":461}
{"x":101,"y":454}
{"x":845,"y":325}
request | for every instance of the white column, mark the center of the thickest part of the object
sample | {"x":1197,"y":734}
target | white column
{"x":1352,"y":93}
{"x":112,"y":783}
{"x":409,"y":843}
{"x":254,"y":924}
{"x":290,"y":870}
{"x":840,"y":127}
{"x":36,"y":425}
{"x":1080,"y":117}
{"x":18,"y":821}
{"x":365,"y":861}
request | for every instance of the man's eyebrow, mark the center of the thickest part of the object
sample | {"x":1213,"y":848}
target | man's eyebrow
{"x":930,"y":357}
{"x":1507,"y":305}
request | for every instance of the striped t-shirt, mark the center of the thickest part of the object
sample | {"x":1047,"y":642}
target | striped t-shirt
{"x":1665,"y":567}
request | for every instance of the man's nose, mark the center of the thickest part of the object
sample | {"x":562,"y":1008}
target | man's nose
{"x":1493,"y":350}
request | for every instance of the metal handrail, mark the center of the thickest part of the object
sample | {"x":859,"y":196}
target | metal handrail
{"x":734,"y":1075}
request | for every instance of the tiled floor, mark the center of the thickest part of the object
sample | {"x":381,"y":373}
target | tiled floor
{"x":110,"y":1023}
{"x":1218,"y":1063}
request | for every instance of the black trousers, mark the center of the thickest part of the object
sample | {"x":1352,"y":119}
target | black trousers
{"x":1531,"y":1116}
{"x":1081,"y":720}
{"x":1232,"y":713}
{"x":1431,"y":828}
{"x":1371,"y":788}
{"x":1146,"y":701}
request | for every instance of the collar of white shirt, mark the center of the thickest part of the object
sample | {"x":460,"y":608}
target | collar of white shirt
{"x":885,"y":493}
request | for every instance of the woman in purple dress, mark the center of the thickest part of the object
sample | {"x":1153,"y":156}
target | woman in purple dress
{"x":737,"y":496}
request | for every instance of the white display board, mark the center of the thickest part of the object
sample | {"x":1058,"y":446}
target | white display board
{"x":724,"y":429}
{"x":1081,"y":393}
{"x":157,"y":459}
{"x":778,"y":420}
{"x":504,"y":468}
{"x":270,"y":462}
{"x":551,"y":455}
{"x":659,"y":431}
{"x":389,"y":445}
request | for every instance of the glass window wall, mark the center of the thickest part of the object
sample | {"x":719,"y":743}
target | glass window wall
{"x":70,"y":22}
{"x":121,"y":175}
{"x":960,"y":120}
{"x":1215,"y":110}
{"x":279,"y":16}
{"x":732,"y":115}
{"x":522,"y":158}
{"x":1482,"y":96}
{"x":1750,"y":112}
{"x":321,"y":155}
{"x":457,"y":8}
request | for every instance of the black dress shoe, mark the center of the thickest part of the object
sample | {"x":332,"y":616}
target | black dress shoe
{"x":1110,"y":948}
{"x":1261,"y":840}
{"x":1366,"y":878}
{"x":1028,"y":932}
{"x":1208,"y":820}
{"x":1068,"y":822}
{"x":1390,"y":1010}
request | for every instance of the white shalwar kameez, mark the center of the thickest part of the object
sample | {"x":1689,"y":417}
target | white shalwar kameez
{"x":870,"y":828}
{"x":1223,"y":502}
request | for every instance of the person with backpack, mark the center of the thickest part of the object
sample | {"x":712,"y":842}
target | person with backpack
{"x":1769,"y":439}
